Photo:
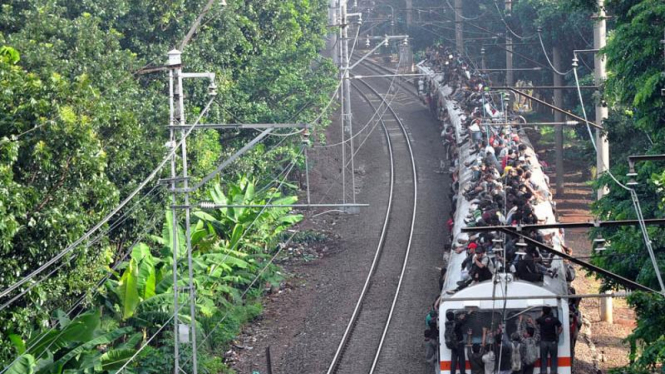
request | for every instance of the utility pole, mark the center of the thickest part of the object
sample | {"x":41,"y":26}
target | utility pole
{"x":409,"y":15}
{"x":333,"y":38}
{"x":510,"y":78}
{"x":558,"y":117}
{"x":175,"y":68}
{"x":347,"y":117}
{"x":459,"y":27}
{"x":602,"y":145}
{"x":178,"y":118}
{"x":483,"y":65}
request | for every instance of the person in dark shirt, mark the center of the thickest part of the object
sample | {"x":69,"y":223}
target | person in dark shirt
{"x":457,"y":354}
{"x":550,"y":328}
{"x":475,"y":354}
{"x":503,"y":351}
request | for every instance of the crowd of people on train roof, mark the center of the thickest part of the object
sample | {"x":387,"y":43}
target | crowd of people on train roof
{"x":501,"y":191}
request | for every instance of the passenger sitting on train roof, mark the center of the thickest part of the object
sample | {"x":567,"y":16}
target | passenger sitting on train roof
{"x":531,"y":269}
{"x":481,"y":270}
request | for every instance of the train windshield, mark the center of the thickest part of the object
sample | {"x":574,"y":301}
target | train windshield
{"x":493,"y":320}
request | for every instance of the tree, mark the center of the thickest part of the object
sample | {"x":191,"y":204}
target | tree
{"x":81,"y":124}
{"x":635,"y":62}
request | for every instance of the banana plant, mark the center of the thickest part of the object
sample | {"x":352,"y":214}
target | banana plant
{"x":230,"y":227}
{"x":139,"y":281}
{"x":76,"y":346}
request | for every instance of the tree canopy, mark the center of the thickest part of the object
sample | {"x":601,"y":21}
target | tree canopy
{"x":84,"y":121}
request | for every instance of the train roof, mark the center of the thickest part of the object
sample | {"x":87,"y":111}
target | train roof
{"x":544,"y":209}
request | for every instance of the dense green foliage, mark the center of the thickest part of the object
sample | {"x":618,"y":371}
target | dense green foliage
{"x":230,"y":248}
{"x":636,"y":63}
{"x":82,"y":122}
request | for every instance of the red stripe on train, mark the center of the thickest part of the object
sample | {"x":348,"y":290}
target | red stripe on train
{"x":563,"y":362}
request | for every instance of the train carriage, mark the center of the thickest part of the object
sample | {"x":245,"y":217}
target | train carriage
{"x":503,"y":298}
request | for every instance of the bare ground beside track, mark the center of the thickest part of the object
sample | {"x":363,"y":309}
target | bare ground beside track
{"x":304,"y":321}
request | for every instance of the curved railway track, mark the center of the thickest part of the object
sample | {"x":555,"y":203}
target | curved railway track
{"x":372,"y":315}
{"x":403,"y":82}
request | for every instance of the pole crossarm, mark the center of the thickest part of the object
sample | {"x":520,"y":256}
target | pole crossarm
{"x":567,"y":123}
{"x":547,"y":88}
{"x":210,"y":76}
{"x":387,"y":76}
{"x":207,"y":205}
{"x":570,"y":225}
{"x":637,"y":158}
{"x":619,"y":279}
{"x":542,"y":102}
{"x":386,"y":37}
{"x":226,"y":162}
{"x":537,"y":68}
{"x":245,"y":126}
{"x":554,"y":297}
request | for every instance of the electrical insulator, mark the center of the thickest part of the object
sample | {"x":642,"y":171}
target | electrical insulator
{"x":305,"y":137}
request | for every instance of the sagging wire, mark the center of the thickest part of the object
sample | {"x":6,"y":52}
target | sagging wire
{"x":369,"y":122}
{"x":94,"y":241}
{"x":540,"y":37}
{"x":461,"y":16}
{"x":242,"y":296}
{"x":152,"y":337}
{"x":286,"y":175}
{"x":508,"y":27}
{"x":113,"y":212}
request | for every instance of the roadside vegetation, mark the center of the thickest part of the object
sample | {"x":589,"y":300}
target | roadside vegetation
{"x":83,"y":120}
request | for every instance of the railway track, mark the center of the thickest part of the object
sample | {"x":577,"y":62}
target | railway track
{"x":403,"y":82}
{"x":372,"y":315}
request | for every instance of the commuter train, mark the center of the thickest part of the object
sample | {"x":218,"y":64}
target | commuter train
{"x":487,"y":299}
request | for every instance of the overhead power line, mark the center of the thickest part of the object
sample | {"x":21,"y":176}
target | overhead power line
{"x":108,"y":217}
{"x":540,"y":37}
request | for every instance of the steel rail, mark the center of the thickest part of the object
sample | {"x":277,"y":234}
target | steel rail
{"x":411,"y":230}
{"x":377,"y":255}
{"x":356,"y":313}
{"x":403,"y":82}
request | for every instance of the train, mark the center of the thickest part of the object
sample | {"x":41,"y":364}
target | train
{"x":473,"y":118}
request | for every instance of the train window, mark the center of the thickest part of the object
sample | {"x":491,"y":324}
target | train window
{"x":493,"y":319}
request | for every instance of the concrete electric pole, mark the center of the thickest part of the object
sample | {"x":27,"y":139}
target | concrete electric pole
{"x":510,"y":77}
{"x":459,"y":27}
{"x":333,"y":37}
{"x":559,"y":118}
{"x":602,"y":145}
{"x":177,"y":118}
{"x":347,"y":118}
{"x":409,"y":15}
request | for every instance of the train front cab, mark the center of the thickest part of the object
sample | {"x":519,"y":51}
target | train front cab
{"x":488,"y":313}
